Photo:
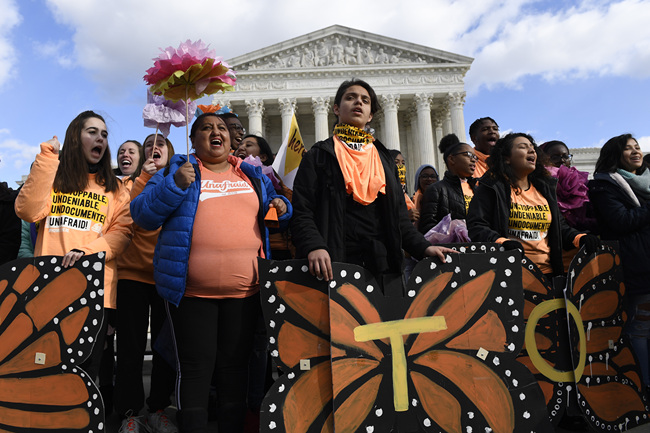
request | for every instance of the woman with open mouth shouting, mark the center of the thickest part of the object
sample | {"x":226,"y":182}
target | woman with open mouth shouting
{"x":129,"y":159}
{"x":136,"y":295}
{"x":82,"y":207}
{"x":515,"y":204}
{"x":211,"y":209}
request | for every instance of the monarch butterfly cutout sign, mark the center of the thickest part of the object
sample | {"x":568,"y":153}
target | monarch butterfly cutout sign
{"x":49,"y":320}
{"x":440,"y":358}
{"x":290,"y":154}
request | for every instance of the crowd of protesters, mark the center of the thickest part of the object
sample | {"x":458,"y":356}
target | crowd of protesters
{"x":182,"y":235}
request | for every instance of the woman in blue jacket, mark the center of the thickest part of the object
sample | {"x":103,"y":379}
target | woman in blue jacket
{"x":211,"y":209}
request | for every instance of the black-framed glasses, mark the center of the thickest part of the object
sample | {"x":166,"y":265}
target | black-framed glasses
{"x":237,"y":128}
{"x":467,"y":153}
{"x":428,"y":176}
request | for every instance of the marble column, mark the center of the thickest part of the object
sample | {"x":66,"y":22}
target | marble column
{"x":287,"y":108}
{"x":414,"y":152}
{"x":390,"y":125}
{"x":411,"y":155}
{"x":255,"y":108}
{"x":437,"y":125}
{"x":425,"y":132}
{"x":321,"y":107}
{"x":456,"y":103}
{"x":446,"y":119}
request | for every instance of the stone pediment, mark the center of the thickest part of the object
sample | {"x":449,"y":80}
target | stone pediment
{"x":338,"y":47}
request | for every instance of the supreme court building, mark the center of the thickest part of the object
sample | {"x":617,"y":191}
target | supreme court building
{"x":420,"y":89}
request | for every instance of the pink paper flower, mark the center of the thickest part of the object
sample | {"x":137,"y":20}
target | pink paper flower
{"x":572,"y":196}
{"x":161,"y":113}
{"x":189,"y":72}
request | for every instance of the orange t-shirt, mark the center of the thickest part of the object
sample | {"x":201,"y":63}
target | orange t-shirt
{"x":468,"y":194}
{"x":529,"y":221}
{"x":226,"y":238}
{"x":481,"y":164}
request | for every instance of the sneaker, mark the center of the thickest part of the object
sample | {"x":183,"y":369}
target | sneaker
{"x":158,"y":422}
{"x":133,"y":424}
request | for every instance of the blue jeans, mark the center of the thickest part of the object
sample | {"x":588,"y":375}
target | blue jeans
{"x":638,"y":330}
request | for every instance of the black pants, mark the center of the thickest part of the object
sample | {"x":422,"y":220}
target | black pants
{"x":134,"y":299}
{"x":209,"y":334}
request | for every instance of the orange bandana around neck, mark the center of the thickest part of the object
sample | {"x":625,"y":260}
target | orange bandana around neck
{"x":362,"y":170}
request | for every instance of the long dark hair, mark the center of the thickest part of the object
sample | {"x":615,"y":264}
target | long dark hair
{"x":72,"y":174}
{"x":610,"y":153}
{"x":502,"y":171}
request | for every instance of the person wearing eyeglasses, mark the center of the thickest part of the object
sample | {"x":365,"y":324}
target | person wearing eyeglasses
{"x":572,"y":198}
{"x":235,"y":128}
{"x":425,"y":175}
{"x":515,"y":205}
{"x":455,"y":191}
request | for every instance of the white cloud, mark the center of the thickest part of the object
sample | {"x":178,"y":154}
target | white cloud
{"x":16,"y":154}
{"x":59,"y":51}
{"x":592,"y":39}
{"x":510,"y":39}
{"x":9,"y":18}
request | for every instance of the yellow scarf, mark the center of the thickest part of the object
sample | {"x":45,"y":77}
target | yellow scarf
{"x":352,"y":136}
{"x":362,"y":170}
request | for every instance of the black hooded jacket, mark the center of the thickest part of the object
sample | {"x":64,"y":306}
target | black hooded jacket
{"x":10,"y":224}
{"x":442,"y":198}
{"x":626,"y":220}
{"x":319,"y":206}
{"x":489,"y":211}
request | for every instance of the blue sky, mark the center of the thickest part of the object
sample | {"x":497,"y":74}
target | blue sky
{"x":576,"y":71}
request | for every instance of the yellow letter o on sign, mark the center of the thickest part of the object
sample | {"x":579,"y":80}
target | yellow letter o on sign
{"x":531,"y":345}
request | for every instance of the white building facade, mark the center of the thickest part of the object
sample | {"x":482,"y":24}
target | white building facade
{"x":420,"y":89}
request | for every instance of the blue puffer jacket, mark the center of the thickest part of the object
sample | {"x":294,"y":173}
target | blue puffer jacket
{"x":163,"y":203}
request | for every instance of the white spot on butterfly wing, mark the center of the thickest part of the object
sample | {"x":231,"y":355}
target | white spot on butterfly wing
{"x":418,"y":280}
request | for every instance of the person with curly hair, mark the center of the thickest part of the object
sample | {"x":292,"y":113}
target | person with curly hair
{"x":515,"y":205}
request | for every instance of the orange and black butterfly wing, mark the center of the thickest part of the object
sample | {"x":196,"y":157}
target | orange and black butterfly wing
{"x":361,"y":371}
{"x":296,"y":312}
{"x":610,"y":391}
{"x":49,"y":320}
{"x":471,"y":368}
{"x":548,"y":333}
{"x":551,"y":338}
{"x":449,"y":386}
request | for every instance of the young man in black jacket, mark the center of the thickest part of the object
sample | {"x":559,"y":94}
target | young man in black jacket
{"x":348,"y":202}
